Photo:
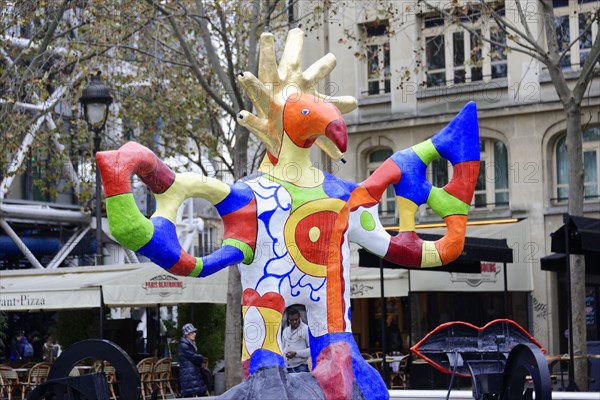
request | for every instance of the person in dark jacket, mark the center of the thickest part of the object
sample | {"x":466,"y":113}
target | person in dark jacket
{"x":190,"y":362}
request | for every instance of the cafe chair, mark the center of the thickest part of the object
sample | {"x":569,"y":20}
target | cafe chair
{"x":9,"y":381}
{"x":145,"y":368}
{"x":111,"y":375}
{"x":162,"y":377}
{"x":37,"y":375}
{"x":399,"y":377}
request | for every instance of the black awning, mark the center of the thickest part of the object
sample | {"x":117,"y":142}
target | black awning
{"x":584,"y":236}
{"x":475,"y":251}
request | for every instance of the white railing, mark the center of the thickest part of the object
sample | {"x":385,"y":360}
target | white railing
{"x":468,"y":395}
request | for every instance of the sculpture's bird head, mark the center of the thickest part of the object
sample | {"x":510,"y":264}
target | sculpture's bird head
{"x":306,"y":117}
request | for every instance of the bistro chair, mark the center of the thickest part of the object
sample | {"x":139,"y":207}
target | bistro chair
{"x":37,"y":375}
{"x":111,"y":375}
{"x":162,"y":376}
{"x":10,"y":381}
{"x":399,"y":377}
{"x":145,"y":368}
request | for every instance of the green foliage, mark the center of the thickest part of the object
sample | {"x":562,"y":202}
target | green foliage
{"x":209,"y":319}
{"x":74,"y":325}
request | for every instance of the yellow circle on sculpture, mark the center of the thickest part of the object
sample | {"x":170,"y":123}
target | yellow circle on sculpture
{"x":314,"y":234}
{"x":314,"y":209}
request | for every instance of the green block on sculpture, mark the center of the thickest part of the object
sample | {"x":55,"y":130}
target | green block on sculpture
{"x":426,"y":151}
{"x":244,"y":247}
{"x":444,"y":204}
{"x":127,"y":224}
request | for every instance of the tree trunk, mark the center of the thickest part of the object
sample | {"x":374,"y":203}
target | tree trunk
{"x":233,"y":317}
{"x":577,"y":263}
{"x":233,"y":330}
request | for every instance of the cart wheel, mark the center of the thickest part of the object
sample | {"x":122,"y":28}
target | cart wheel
{"x":60,"y":384}
{"x":526,"y":360}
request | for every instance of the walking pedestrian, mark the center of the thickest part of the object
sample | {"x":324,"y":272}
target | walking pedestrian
{"x":190,"y":363}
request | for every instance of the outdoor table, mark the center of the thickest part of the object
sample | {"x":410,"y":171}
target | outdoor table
{"x":83,"y":369}
{"x":22,"y":372}
{"x":394,"y":361}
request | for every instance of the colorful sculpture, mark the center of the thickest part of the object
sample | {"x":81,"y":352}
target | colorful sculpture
{"x":289,"y":226}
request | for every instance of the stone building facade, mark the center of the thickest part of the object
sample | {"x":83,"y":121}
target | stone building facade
{"x":411,"y":75}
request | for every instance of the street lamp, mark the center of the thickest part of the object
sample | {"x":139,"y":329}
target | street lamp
{"x":95,"y":100}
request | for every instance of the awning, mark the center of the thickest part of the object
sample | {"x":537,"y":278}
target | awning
{"x":584,"y":238}
{"x":480,"y":267}
{"x":143,"y":284}
{"x":365,"y":283}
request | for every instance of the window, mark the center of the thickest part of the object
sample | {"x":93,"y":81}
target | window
{"x":491,"y":189}
{"x":574,"y":19}
{"x":378,"y":58}
{"x":492,"y":183}
{"x":591,"y":148}
{"x":387,"y":205}
{"x":456,"y":55}
{"x":498,"y":53}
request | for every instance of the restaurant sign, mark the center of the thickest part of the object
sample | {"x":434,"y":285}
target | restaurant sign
{"x":22,"y":300}
{"x":49,"y":299}
{"x":489,"y":274}
{"x":164,"y":285}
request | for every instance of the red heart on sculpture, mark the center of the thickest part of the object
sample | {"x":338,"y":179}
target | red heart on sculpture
{"x":271,"y":300}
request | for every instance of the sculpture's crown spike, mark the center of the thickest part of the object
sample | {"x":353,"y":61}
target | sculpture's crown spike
{"x":276,"y":82}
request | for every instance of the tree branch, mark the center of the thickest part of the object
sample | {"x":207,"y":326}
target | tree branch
{"x":190,"y":57}
{"x":229,"y":58}
{"x":587,"y":70}
{"x":48,"y":37}
{"x":554,"y":69}
{"x":213,"y":58}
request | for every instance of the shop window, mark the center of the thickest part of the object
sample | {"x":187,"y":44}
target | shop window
{"x":491,"y":190}
{"x":591,"y":166}
{"x":378,"y":58}
{"x":396,"y":324}
{"x":454,"y":55}
{"x":387,"y":205}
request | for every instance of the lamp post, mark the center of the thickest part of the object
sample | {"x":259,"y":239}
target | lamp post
{"x":95,"y":101}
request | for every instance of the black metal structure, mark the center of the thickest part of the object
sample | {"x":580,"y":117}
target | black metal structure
{"x":498,"y":357}
{"x":60,"y":386}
